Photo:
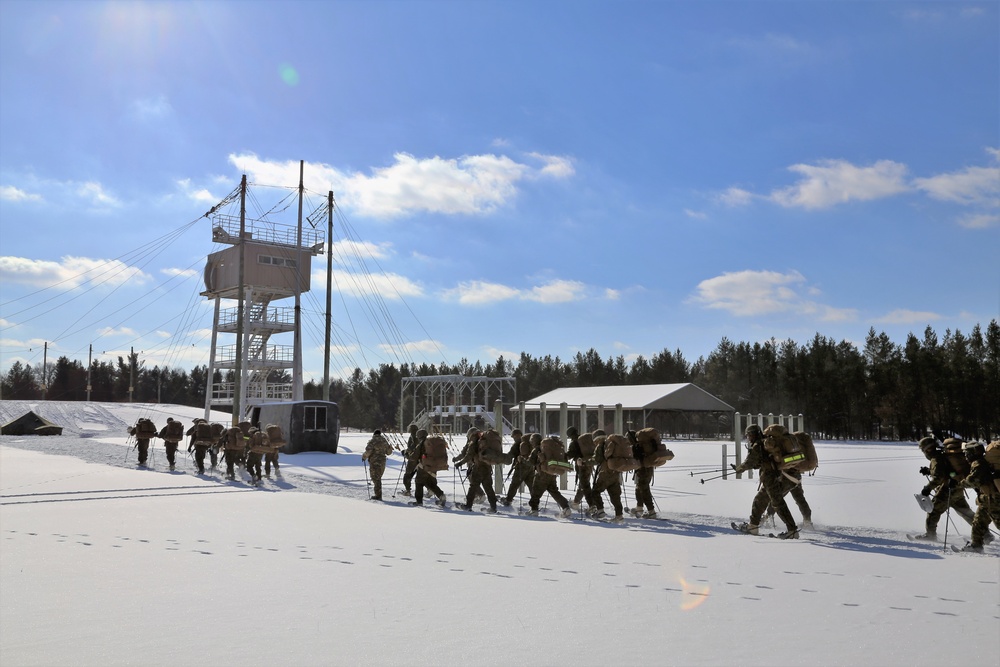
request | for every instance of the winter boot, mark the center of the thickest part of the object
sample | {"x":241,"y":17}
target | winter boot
{"x":618,"y":519}
{"x":404,"y":492}
{"x":807,"y":522}
{"x":442,"y":501}
{"x":636,"y":512}
{"x":973,"y":548}
{"x":747,"y":528}
{"x":575,"y":504}
{"x":532,"y":512}
{"x":415,"y":502}
{"x":492,"y":509}
{"x":790,"y":534}
{"x":651,"y":514}
{"x":929,"y":537}
{"x":598,"y":513}
{"x":566,"y":512}
{"x":504,"y":501}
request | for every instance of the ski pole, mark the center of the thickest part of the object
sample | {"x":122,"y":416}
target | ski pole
{"x":947,"y":518}
{"x":399,"y":477}
{"x":706,"y":472}
{"x":367,"y":483}
{"x":711,"y":478}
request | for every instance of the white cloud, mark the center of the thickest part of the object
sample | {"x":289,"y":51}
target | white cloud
{"x":970,"y":186}
{"x":612,"y":294}
{"x":834,"y":182}
{"x":94,"y":192}
{"x":110,"y":331}
{"x":477,"y":292}
{"x":184,"y":273}
{"x":390,"y":286}
{"x":697,"y":215}
{"x":70,"y":272}
{"x":200,"y":195}
{"x":736,"y":197}
{"x":420,"y":346}
{"x":756,"y":293}
{"x":11,"y":193}
{"x":556,"y":291}
{"x":347,"y":252}
{"x":555,"y":166}
{"x":618,"y":345}
{"x":6,"y":324}
{"x":150,"y":108}
{"x":979,"y":220}
{"x":494,"y":353}
{"x":470,"y":185}
{"x":903,"y":316}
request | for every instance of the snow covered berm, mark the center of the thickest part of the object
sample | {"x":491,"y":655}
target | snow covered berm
{"x":105,"y":564}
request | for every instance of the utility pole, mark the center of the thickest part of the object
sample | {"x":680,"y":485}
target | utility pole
{"x":238,"y":379}
{"x":90,"y":362}
{"x":131,"y":373}
{"x":297,"y":350}
{"x":45,"y":373}
{"x":329,"y":282}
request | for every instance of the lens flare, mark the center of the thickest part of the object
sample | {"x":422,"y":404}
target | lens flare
{"x":289,"y":75}
{"x":694,"y":594}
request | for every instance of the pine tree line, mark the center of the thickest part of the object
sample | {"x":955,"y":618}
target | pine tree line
{"x":883,"y":391}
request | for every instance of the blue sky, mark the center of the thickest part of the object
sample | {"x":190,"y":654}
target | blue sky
{"x":545,"y":177}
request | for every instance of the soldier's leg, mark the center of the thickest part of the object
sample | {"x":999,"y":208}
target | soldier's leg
{"x":799,"y":496}
{"x":408,"y":473}
{"x":981,"y":522}
{"x":199,"y":458}
{"x":213,"y":453}
{"x":961,"y":505}
{"x":940,"y":507}
{"x":553,"y":489}
{"x":759,"y":504}
{"x":487,"y":484}
{"x":143,"y":447}
{"x":615,"y":494}
{"x":777,"y":489}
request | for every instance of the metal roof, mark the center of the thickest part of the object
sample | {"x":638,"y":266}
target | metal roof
{"x":682,"y":396}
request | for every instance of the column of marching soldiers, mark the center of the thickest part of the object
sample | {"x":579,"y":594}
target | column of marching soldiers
{"x":600,"y":462}
{"x":241,"y":445}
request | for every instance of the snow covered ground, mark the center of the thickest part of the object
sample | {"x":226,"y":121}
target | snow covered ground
{"x":102,"y":563}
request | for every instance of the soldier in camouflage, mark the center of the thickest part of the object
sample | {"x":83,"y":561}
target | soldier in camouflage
{"x":480,"y":472}
{"x":521,"y":471}
{"x":981,"y":478}
{"x":774,"y":485}
{"x":607,"y":480}
{"x":376,"y":451}
{"x":945,"y":483}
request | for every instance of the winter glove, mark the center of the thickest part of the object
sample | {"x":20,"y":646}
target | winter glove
{"x":926,"y":491}
{"x":925,"y":471}
{"x":737,"y":469}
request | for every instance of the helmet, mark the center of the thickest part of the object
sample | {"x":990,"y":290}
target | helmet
{"x":974,"y":451}
{"x":599,"y":432}
{"x":413,"y":429}
{"x":752,"y":430}
{"x":953,"y":445}
{"x":572,"y":432}
{"x":535,"y":439}
{"x":472,"y":431}
{"x":421,"y":434}
{"x":377,"y":432}
{"x":516,"y":434}
{"x":927,"y":442}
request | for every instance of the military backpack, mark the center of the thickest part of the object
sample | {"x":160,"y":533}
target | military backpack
{"x":145,"y":429}
{"x":552,"y":457}
{"x":435,"y":456}
{"x":491,"y":448}
{"x":619,"y":454}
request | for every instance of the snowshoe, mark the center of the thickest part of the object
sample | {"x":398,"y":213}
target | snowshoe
{"x":566,"y":512}
{"x":969,"y":548}
{"x":415,"y":503}
{"x":442,"y":502}
{"x":745,"y":528}
{"x":923,"y":537}
{"x":490,"y":510}
{"x":790,"y":534}
{"x":649,"y":515}
{"x":531,"y":513}
{"x":598,"y":514}
{"x":636,"y":512}
{"x":405,"y":492}
{"x":618,"y":519}
{"x":504,"y":502}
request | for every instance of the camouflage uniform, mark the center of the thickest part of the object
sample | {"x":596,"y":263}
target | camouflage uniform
{"x":607,"y":480}
{"x":141,"y":443}
{"x":424,"y":478}
{"x":543,"y":481}
{"x":774,"y":485}
{"x":254,"y":458}
{"x":480,"y":473}
{"x":643,"y":478}
{"x":522,"y":472}
{"x":988,"y":500}
{"x":411,"y":463}
{"x":946,"y":485}
{"x":234,"y":448}
{"x":378,"y":448}
{"x":171,"y":435}
{"x":584,"y":469}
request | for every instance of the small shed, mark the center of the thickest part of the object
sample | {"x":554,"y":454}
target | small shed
{"x":657,"y":405}
{"x":309,"y":426}
{"x":30,"y":424}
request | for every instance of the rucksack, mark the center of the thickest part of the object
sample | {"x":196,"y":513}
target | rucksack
{"x":217,"y":431}
{"x":491,"y":448}
{"x":552,"y":457}
{"x":524,"y":448}
{"x":259,"y":444}
{"x":654,"y":453}
{"x":203,"y":433}
{"x":234,"y":439}
{"x":992,"y":458}
{"x":145,"y":428}
{"x":586,"y":442}
{"x":435,"y":456}
{"x":619,"y":455}
{"x":275,"y":435}
{"x":174,"y":431}
{"x":784,"y":449}
{"x":811,"y":461}
{"x":956,"y":458}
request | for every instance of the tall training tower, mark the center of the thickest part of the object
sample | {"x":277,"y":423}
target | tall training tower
{"x":267,"y":265}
